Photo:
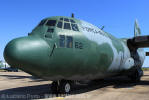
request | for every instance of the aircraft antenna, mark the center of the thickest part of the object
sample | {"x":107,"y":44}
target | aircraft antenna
{"x":102,"y":27}
{"x":72,"y":15}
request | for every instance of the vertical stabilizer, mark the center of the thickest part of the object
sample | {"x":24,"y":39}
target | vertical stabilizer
{"x":137,"y":31}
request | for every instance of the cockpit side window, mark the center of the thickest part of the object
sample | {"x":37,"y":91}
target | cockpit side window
{"x":42,"y":22}
{"x":72,"y":21}
{"x":74,"y":27}
{"x":51,"y":23}
{"x":67,"y":26}
{"x":66,"y":19}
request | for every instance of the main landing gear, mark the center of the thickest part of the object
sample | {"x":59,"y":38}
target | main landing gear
{"x":136,"y":76}
{"x":63,"y":87}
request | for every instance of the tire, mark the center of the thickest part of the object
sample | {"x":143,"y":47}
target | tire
{"x":54,"y":87}
{"x":65,"y":87}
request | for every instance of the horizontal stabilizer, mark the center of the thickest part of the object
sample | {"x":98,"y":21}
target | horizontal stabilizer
{"x":139,"y":42}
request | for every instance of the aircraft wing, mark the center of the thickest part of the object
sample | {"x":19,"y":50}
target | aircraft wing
{"x":147,"y":53}
{"x":138,"y":42}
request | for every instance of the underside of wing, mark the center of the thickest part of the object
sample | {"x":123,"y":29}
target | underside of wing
{"x":138,"y":42}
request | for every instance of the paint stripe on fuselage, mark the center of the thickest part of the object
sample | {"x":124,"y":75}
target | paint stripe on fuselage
{"x":94,"y":34}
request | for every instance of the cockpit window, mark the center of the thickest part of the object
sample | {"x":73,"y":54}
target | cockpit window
{"x":66,"y":19}
{"x":61,"y":19}
{"x":59,"y":25}
{"x":72,"y":21}
{"x":51,"y":23}
{"x":42,"y":22}
{"x":67,"y":26}
{"x":74,"y":27}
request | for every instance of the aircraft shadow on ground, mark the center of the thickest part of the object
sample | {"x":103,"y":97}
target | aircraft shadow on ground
{"x":25,"y":93}
{"x":43,"y":91}
{"x":34,"y":79}
{"x":118,"y":82}
{"x":16,"y":76}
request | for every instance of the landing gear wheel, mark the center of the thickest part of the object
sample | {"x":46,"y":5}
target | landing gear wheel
{"x":54,"y":87}
{"x":62,"y":86}
{"x":65,"y":87}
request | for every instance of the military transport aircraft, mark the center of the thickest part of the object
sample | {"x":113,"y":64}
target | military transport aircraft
{"x":65,"y":50}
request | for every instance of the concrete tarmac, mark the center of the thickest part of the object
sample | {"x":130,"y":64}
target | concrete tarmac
{"x":22,"y":86}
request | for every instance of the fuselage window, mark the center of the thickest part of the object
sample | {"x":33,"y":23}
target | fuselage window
{"x":66,"y":19}
{"x":60,"y":24}
{"x":50,"y":30}
{"x":67,"y":26}
{"x":48,"y":35}
{"x":62,"y":40}
{"x":69,"y":42}
{"x":42,"y":22}
{"x":74,"y":27}
{"x":51,"y":23}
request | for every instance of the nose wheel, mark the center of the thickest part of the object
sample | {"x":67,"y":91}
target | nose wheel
{"x":62,"y":86}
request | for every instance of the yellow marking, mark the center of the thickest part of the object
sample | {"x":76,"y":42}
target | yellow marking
{"x":60,"y":97}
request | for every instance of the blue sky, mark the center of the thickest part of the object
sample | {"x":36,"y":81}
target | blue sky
{"x":19,"y":17}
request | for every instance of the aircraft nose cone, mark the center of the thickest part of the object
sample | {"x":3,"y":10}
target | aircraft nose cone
{"x":25,"y":50}
{"x":11,"y":52}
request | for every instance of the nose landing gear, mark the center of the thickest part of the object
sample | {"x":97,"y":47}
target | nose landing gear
{"x":63,"y":87}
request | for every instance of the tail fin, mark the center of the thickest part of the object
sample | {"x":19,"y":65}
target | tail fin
{"x":138,"y":41}
{"x":137,"y":31}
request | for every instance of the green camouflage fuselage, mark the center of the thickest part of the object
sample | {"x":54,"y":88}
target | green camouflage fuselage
{"x":55,"y":53}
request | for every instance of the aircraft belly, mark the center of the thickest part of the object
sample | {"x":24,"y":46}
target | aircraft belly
{"x":79,"y":77}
